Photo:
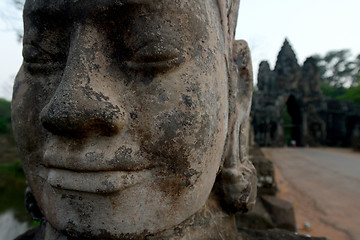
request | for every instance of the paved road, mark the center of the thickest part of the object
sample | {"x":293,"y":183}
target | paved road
{"x":331,"y":177}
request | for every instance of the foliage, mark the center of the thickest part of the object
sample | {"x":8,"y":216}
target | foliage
{"x":331,"y":91}
{"x":3,"y":127}
{"x":14,"y":168}
{"x":12,"y":178}
{"x":5,"y":117}
{"x":8,"y":151}
{"x":340,"y":75}
{"x":12,"y":189}
{"x":351,"y":94}
{"x":338,"y":69}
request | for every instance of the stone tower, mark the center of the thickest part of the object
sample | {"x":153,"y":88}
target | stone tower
{"x":287,"y":69}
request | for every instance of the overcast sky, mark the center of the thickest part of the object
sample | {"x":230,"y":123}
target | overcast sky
{"x":311,"y":26}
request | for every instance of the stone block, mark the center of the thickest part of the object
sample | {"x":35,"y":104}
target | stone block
{"x":281,"y":212}
{"x":258,"y":218}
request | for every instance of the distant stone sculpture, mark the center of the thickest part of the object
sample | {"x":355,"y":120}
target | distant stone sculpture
{"x":131,"y":119}
{"x":295,"y":91}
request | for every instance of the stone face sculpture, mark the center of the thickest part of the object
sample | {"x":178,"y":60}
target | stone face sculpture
{"x":131,"y":118}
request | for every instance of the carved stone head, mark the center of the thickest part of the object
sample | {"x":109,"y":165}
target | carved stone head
{"x":126,"y":112}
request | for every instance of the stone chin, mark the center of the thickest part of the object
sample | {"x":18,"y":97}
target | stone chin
{"x":141,"y":209}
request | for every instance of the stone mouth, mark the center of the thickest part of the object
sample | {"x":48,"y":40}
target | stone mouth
{"x":101,"y":182}
{"x":97,"y":162}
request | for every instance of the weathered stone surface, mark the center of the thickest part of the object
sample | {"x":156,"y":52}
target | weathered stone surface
{"x":269,"y":211}
{"x":266,"y":81}
{"x":287,"y":69}
{"x":281,"y":212}
{"x":211,"y":222}
{"x":258,"y":218}
{"x":266,"y":184}
{"x":295,"y":91}
{"x":310,"y":82}
{"x":129,"y":114}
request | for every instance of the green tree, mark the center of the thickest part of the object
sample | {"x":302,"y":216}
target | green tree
{"x":338,"y":70}
{"x":340,"y":75}
{"x":331,"y":91}
{"x":5,"y":117}
{"x":356,"y":72}
{"x":351,"y":94}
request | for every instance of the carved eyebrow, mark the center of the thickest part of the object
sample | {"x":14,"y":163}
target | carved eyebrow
{"x":71,"y":7}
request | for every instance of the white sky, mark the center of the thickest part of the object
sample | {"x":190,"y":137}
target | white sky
{"x":311,"y":26}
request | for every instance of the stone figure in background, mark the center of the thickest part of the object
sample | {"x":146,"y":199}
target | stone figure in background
{"x":131,"y":118}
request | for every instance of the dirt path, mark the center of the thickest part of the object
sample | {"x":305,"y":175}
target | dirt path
{"x":305,"y":183}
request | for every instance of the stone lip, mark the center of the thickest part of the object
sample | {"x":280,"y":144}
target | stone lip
{"x":101,"y":182}
{"x":90,"y":160}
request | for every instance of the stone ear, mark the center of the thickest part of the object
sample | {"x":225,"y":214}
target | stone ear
{"x":237,"y":179}
{"x":242,"y":78}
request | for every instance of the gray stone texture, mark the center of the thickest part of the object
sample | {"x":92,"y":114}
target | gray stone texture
{"x":269,"y":211}
{"x":281,"y":212}
{"x":266,"y":184}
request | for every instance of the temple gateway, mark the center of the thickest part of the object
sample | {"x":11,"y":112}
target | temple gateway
{"x":288,"y":107}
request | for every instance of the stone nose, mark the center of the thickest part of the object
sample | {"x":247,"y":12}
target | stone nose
{"x":83,"y":103}
{"x":75,"y":113}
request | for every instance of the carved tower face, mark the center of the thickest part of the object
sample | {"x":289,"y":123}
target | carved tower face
{"x":120,"y":111}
